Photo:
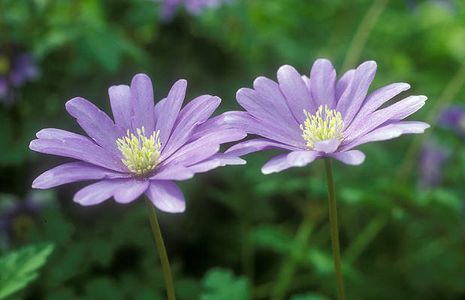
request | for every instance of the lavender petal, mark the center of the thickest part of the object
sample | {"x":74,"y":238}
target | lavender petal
{"x":376,"y":99}
{"x":266,"y":113}
{"x":204,"y":147}
{"x":170,"y":108}
{"x":327,"y":146}
{"x":130,"y":190}
{"x":172,"y":172}
{"x":73,"y":172}
{"x":276,"y":164}
{"x":353,"y":97}
{"x":217,"y":160}
{"x":95,"y":123}
{"x":120,"y":101}
{"x":395,"y":112}
{"x":97,"y":192}
{"x":297,"y":95}
{"x":195,"y":112}
{"x":80,"y":149}
{"x":249,"y":124}
{"x":323,"y":83}
{"x":351,"y":157}
{"x":166,"y":196}
{"x":388,"y":132}
{"x":343,"y":83}
{"x":301,"y":158}
{"x":142,"y":103}
{"x":255,"y":145}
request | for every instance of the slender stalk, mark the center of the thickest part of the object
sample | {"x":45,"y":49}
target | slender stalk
{"x":363,"y":32}
{"x":334,"y":229}
{"x":165,"y":264}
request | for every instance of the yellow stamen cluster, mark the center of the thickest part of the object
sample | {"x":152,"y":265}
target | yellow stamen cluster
{"x":140,"y":153}
{"x":325,"y":124}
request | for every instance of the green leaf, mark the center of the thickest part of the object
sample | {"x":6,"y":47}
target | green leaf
{"x":20,"y":267}
{"x":272,"y":237}
{"x":221,"y":284}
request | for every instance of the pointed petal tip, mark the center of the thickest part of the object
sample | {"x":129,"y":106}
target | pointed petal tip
{"x":39,"y":134}
{"x":259,"y":79}
{"x":322,"y":62}
{"x":117,"y":88}
{"x":32,"y":144}
{"x":406,"y":85}
{"x":285,"y":69}
{"x":266,"y":171}
{"x":39,"y":184}
{"x":369,"y":63}
{"x":70,"y":104}
{"x":217,"y":99}
{"x":181,"y":82}
{"x":240,"y":162}
{"x":141,"y":80}
{"x":141,"y":76}
{"x":240,"y":92}
{"x":351,"y":157}
{"x":36,"y":184}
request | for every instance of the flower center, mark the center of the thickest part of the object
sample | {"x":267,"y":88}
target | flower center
{"x":140,"y":153}
{"x":325,"y":124}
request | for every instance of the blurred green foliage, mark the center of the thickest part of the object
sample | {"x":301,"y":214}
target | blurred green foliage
{"x":244,"y":234}
{"x":20,"y":267}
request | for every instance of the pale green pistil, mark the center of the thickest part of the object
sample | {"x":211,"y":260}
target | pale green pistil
{"x":325,"y":124}
{"x":140,"y":153}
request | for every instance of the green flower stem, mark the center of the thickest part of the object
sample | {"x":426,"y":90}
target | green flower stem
{"x":165,"y":264}
{"x":334,"y":229}
{"x":363,"y":32}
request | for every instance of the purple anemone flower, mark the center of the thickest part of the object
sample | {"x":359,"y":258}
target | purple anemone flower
{"x":17,"y":215}
{"x":194,"y":7}
{"x":454,"y":118}
{"x":144,"y":150}
{"x":432,"y":160}
{"x":16,"y":68}
{"x":321,"y":116}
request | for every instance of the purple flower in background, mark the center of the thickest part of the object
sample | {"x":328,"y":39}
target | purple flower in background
{"x":445,"y":4}
{"x":321,"y":116}
{"x":453,"y":118}
{"x":16,"y":68}
{"x":144,"y":150}
{"x":16,"y":215}
{"x":432,"y":160}
{"x":194,"y":7}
